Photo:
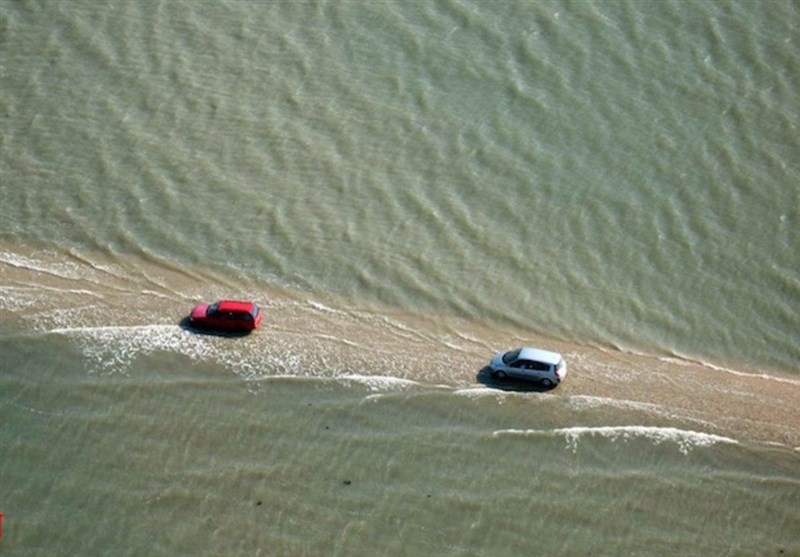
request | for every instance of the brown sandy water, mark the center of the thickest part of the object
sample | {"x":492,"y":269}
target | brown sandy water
{"x":406,"y":188}
{"x":341,"y":427}
{"x":99,"y":300}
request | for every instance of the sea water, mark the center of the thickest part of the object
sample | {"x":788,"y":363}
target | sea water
{"x":405,"y":188}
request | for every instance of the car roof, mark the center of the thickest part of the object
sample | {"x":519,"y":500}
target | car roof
{"x":539,"y":355}
{"x":234,"y":305}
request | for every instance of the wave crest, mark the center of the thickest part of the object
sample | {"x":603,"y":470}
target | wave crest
{"x":685,"y":439}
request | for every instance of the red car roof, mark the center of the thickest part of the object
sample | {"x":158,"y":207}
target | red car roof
{"x":234,"y":305}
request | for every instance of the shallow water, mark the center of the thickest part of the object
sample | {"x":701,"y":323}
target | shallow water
{"x":613,"y":173}
{"x":178,"y":458}
{"x":405,"y":189}
{"x":337,"y":430}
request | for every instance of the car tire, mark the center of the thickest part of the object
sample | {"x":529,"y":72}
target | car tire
{"x":500,"y":375}
{"x":546,"y":383}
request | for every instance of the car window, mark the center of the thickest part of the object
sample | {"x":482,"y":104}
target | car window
{"x":530,"y":364}
{"x":509,"y":357}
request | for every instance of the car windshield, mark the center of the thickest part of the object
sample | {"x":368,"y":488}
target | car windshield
{"x":212,"y":309}
{"x":254,"y":311}
{"x":509,"y":357}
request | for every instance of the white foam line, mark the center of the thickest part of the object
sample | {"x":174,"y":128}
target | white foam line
{"x":470,"y":339}
{"x":591,"y":401}
{"x":113,"y":329}
{"x":479,"y":392}
{"x":15,"y":303}
{"x":62,"y":271}
{"x":35,"y":411}
{"x":114,"y":348}
{"x":476,"y":393}
{"x":453,"y":346}
{"x":580,"y":402}
{"x":39,"y":288}
{"x":401,"y":329}
{"x":156,"y":294}
{"x":337,"y":339}
{"x":689,"y":362}
{"x":752,"y":375}
{"x":685,"y":439}
{"x":21,"y":262}
{"x":380,"y":382}
{"x":114,"y":270}
{"x":322,"y":307}
{"x":678,"y":360}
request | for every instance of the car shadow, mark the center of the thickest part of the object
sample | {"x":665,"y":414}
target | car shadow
{"x":186,"y":326}
{"x":508,"y":384}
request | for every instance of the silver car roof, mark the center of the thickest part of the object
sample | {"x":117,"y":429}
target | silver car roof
{"x":539,"y":355}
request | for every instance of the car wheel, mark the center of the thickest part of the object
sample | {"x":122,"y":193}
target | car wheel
{"x":547,"y":383}
{"x":501,"y":375}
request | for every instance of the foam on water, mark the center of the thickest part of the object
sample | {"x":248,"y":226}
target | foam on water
{"x":18,"y":298}
{"x":55,"y":265}
{"x":766,"y":376}
{"x":112,"y":349}
{"x":502,"y":395}
{"x":481,"y":392}
{"x":429,"y":183}
{"x":377,"y":383}
{"x":684,"y":439}
{"x":324,"y":308}
{"x":63,"y":269}
{"x":590,"y":402}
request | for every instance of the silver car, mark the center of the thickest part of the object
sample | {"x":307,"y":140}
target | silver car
{"x":531,"y":364}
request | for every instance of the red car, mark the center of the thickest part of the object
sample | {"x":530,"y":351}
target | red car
{"x":226,"y":315}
